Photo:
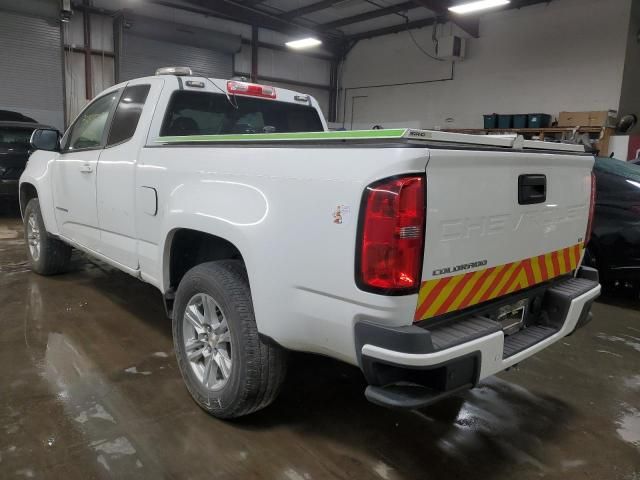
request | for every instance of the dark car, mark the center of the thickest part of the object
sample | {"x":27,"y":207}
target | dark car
{"x":15,"y":132}
{"x":614,"y":248}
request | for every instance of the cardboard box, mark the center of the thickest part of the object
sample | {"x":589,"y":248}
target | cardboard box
{"x":605,"y":118}
{"x":573,"y":119}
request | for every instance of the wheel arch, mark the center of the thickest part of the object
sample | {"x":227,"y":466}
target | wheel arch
{"x":27,"y":192}
{"x":184,"y":248}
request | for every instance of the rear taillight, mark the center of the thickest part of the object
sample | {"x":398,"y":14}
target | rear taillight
{"x":592,"y":207}
{"x":391,"y":235}
{"x":251,"y":89}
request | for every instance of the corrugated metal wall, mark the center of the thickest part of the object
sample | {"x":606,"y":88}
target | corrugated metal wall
{"x":141,"y":57}
{"x":31,"y":60}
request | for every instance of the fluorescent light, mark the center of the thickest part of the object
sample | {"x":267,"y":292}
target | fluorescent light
{"x":478,"y":5}
{"x":304,"y":43}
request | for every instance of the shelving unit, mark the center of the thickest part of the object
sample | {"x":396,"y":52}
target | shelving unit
{"x":560,"y":133}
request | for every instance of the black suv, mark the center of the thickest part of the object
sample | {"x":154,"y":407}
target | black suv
{"x":15,"y":132}
{"x":614,"y":248}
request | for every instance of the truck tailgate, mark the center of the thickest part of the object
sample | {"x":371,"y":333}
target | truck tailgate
{"x":493,"y":228}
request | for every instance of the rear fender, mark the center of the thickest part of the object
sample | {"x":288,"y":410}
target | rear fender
{"x":233,"y":211}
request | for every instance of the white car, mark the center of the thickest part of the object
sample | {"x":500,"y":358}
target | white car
{"x":431,"y":260}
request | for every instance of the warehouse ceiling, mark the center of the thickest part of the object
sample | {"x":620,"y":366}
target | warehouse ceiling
{"x":336,"y":22}
{"x":356,"y":19}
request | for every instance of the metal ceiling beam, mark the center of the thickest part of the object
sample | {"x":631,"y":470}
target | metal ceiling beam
{"x":469,"y":23}
{"x":380,"y":12}
{"x":252,"y":3}
{"x":424,"y":22}
{"x":314,"y":7}
{"x":526,"y":3}
{"x":282,"y":48}
{"x":233,"y":10}
{"x":440,"y":8}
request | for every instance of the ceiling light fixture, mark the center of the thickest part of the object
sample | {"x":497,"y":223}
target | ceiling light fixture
{"x":476,"y":6}
{"x":303,"y":43}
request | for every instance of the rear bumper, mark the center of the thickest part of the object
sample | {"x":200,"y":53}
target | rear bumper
{"x":413,"y":367}
{"x":8,"y":188}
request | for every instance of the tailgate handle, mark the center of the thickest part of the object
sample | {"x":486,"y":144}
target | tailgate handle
{"x":532,"y":189}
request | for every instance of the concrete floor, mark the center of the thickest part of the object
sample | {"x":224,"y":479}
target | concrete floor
{"x":89,"y":388}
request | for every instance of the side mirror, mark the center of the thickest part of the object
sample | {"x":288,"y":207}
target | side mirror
{"x":45,"y":139}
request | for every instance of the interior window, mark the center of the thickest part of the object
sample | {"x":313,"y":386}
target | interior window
{"x":204,"y":113}
{"x":88,"y":129}
{"x":128,"y":112}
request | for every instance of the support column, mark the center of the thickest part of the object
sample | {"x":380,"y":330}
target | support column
{"x":88,"y":78}
{"x":333,"y":90}
{"x":254,"y":54}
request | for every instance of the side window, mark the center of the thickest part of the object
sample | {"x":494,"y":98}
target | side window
{"x":88,"y":130}
{"x":128,"y":112}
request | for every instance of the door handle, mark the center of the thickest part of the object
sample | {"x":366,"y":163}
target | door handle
{"x":86,"y":168}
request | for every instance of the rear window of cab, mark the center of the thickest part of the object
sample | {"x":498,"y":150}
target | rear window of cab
{"x":205,"y":113}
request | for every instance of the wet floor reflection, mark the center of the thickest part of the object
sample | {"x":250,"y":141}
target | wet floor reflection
{"x":90,"y":389}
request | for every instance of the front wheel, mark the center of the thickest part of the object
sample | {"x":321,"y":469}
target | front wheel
{"x":229,"y":371}
{"x":47,"y":255}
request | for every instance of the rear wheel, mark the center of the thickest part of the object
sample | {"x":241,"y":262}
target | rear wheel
{"x":47,"y":255}
{"x":229,"y":371}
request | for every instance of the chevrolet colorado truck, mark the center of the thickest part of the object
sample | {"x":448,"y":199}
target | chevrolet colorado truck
{"x":428,"y":259}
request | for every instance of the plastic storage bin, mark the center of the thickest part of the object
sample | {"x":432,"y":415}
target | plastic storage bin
{"x":539,"y":120}
{"x":520,"y":121}
{"x":491,"y":121}
{"x":505,"y":121}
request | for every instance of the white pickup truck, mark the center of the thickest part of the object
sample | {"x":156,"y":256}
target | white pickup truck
{"x":430,"y":260}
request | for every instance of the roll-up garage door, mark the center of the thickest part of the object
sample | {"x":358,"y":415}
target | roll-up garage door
{"x":31,"y":59}
{"x":148,"y":44}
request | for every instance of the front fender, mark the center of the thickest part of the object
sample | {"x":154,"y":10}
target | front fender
{"x":39,"y":174}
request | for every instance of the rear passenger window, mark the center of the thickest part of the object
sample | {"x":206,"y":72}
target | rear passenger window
{"x":127,"y":114}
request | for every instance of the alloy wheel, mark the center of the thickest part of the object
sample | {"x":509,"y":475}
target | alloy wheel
{"x":207,"y":341}
{"x":33,"y":236}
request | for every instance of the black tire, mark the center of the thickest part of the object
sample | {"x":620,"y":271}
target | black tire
{"x":258,"y":369}
{"x":55,"y":255}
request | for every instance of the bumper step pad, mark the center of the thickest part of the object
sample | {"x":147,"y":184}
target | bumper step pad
{"x":525,"y":338}
{"x":462,"y":332}
{"x":557,"y":302}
